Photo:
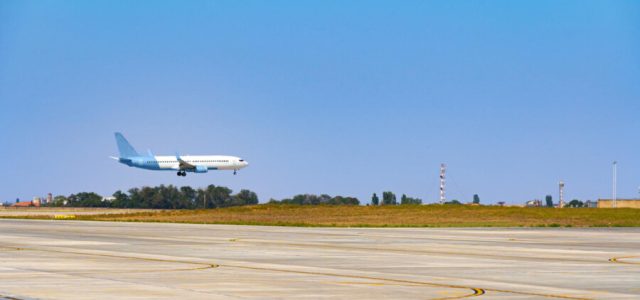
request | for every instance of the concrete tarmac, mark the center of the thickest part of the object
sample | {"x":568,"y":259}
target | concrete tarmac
{"x":108,"y":260}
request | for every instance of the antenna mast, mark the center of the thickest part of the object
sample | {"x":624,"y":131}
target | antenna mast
{"x":561,"y":203}
{"x":443,"y":170}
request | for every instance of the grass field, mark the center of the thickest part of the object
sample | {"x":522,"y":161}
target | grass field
{"x":52,"y":211}
{"x":389,"y":216}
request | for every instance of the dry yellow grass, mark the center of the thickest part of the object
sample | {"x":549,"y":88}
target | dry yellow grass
{"x":390,"y":216}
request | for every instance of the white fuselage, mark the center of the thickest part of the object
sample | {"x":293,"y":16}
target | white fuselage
{"x":190,"y":163}
{"x":211,"y":162}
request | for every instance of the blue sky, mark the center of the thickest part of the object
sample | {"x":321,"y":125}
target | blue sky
{"x":337,"y":97}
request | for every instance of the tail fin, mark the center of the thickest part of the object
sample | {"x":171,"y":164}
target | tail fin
{"x":125,"y":149}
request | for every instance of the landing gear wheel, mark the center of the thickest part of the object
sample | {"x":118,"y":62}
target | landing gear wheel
{"x":235,"y":172}
{"x":179,"y":173}
{"x":184,"y":173}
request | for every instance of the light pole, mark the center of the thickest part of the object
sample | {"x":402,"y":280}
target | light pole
{"x":615,"y":175}
{"x":561,"y":203}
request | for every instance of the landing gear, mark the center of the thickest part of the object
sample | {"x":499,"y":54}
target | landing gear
{"x":181,"y":173}
{"x":235,"y":172}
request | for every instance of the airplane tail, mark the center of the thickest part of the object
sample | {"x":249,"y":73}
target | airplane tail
{"x":125,"y":149}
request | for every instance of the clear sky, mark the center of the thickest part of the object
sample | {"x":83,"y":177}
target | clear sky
{"x":339,"y":97}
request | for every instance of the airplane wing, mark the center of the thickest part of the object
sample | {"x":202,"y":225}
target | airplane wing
{"x":183,"y":165}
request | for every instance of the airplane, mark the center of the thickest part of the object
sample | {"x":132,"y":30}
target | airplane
{"x":182,"y":164}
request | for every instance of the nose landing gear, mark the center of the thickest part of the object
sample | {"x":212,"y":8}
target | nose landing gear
{"x":235,"y":172}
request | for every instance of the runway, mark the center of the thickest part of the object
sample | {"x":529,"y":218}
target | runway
{"x":106,"y":260}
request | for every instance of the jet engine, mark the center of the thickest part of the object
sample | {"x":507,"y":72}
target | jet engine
{"x":201,"y":169}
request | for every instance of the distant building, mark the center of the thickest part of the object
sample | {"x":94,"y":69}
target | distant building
{"x":49,"y":199}
{"x":108,"y":199}
{"x":533,"y":203}
{"x":27,"y":204}
{"x":620,"y":203}
{"x":36,"y":202}
{"x":591,"y":204}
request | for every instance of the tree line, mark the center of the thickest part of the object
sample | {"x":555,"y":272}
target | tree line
{"x":162,"y":197}
{"x":186,"y":197}
{"x":389,"y":198}
{"x":310,"y":199}
{"x":575,"y":203}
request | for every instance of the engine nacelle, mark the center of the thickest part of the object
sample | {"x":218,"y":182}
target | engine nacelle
{"x":201,"y":169}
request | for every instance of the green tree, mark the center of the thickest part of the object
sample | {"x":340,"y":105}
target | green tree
{"x":375,"y":200}
{"x":188,"y":197}
{"x":340,"y":200}
{"x":172,"y":198}
{"x":216,"y":196}
{"x":134,"y":198}
{"x":476,"y":199}
{"x":324,"y":199}
{"x":163,"y":197}
{"x":245,"y":197}
{"x":85,"y":199}
{"x":575,"y":203}
{"x":121,"y":200}
{"x":453,"y":202}
{"x":404,"y":200}
{"x":59,"y":201}
{"x":389,"y":198}
{"x":304,"y":199}
{"x":549,"y":200}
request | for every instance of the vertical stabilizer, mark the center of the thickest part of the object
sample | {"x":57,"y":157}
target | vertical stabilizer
{"x":125,"y":149}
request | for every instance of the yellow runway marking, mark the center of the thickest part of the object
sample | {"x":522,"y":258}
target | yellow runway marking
{"x":621,"y":261}
{"x":202,"y":264}
{"x":210,"y":266}
{"x":476,"y":291}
